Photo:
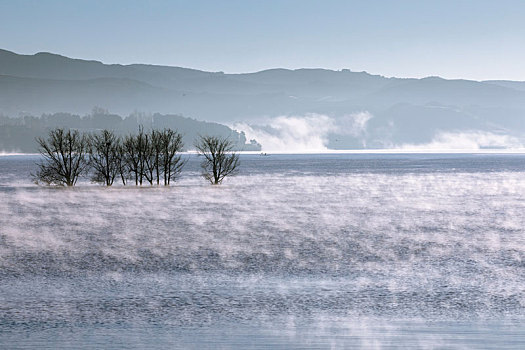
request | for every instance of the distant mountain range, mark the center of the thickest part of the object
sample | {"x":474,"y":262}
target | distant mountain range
{"x":359,"y":109}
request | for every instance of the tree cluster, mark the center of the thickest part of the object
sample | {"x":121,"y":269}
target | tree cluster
{"x":146,"y":157}
{"x":151,"y":157}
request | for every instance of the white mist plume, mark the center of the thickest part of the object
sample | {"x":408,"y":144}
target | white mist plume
{"x":468,"y":140}
{"x":291,"y":134}
{"x":304,"y":133}
{"x":354,"y":124}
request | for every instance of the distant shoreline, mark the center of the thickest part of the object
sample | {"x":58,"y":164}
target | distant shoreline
{"x":352,"y":151}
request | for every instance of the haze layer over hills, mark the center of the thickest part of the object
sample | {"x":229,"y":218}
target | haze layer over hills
{"x":280,"y":108}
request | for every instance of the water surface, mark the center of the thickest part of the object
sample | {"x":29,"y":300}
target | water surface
{"x":318,"y":251}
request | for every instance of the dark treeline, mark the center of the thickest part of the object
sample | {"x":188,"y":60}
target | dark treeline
{"x":18,"y":134}
{"x":146,"y":157}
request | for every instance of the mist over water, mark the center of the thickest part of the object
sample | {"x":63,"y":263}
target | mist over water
{"x":309,"y":133}
{"x":297,"y":250}
{"x":318,"y":133}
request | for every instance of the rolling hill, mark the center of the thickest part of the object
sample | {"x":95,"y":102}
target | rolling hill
{"x":401,"y":111}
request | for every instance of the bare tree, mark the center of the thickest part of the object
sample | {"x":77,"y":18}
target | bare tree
{"x":131,"y":157}
{"x":219,"y":159}
{"x":156,"y":147}
{"x":171,"y":162}
{"x":151,"y":151}
{"x":135,"y":150}
{"x":104,"y":157}
{"x":65,"y":157}
{"x":141,"y":148}
{"x":121,"y":163}
{"x":152,"y":156}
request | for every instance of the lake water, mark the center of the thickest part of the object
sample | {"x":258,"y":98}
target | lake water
{"x":296,"y":251}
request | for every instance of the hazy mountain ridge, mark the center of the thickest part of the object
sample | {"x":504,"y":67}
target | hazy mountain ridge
{"x":518,"y":85}
{"x":402,"y":110}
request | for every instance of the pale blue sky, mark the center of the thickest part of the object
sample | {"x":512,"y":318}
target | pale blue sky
{"x":476,"y":39}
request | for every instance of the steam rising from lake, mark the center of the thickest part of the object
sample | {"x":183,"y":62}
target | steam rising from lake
{"x":468,"y":140}
{"x":411,"y":226}
{"x":303,"y":134}
{"x":291,"y":134}
{"x":418,"y":241}
{"x":313,"y":133}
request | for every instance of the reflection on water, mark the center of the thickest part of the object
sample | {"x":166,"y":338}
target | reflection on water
{"x":384,"y":251}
